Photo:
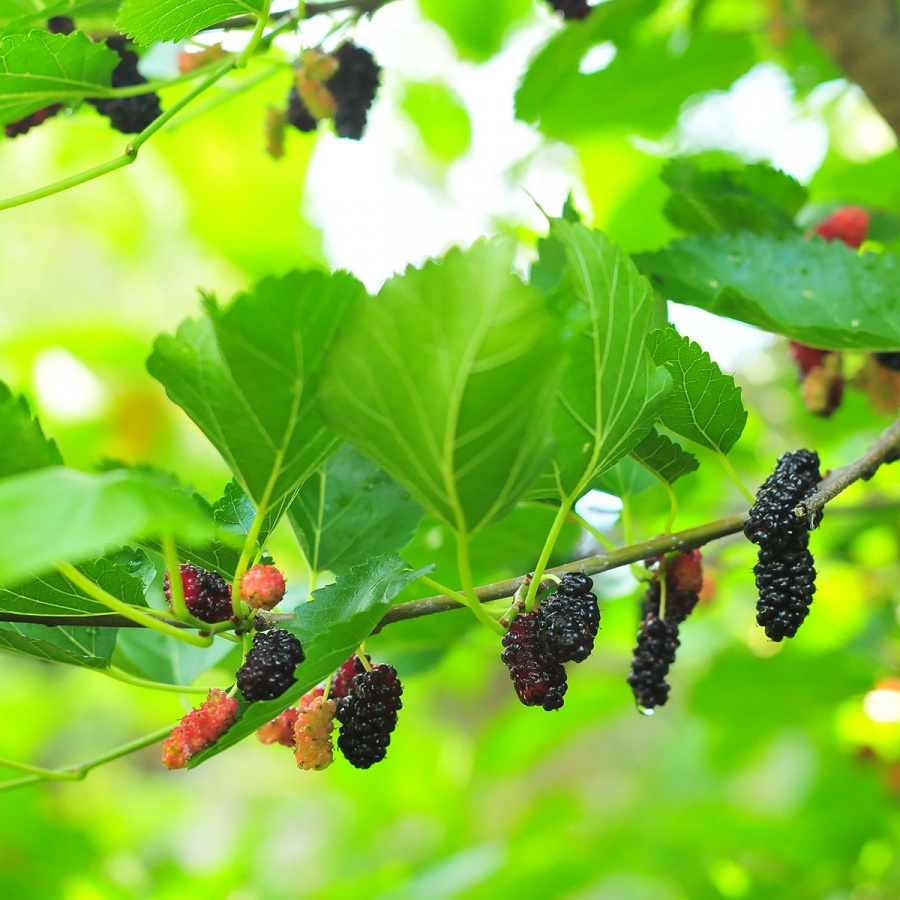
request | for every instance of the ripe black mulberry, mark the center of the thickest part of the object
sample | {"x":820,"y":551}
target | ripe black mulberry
{"x":353,"y":88}
{"x":537,"y":679}
{"x":206,"y":594}
{"x":128,"y":115}
{"x":568,"y":620}
{"x":368,"y":716}
{"x":657,"y":642}
{"x":268,"y":670}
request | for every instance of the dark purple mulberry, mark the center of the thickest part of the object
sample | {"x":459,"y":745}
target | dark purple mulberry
{"x":268,"y":670}
{"x":889,"y":361}
{"x":297,"y":114}
{"x":23,"y":126}
{"x":785,"y":574}
{"x":368,"y":715}
{"x":657,"y":642}
{"x":537,"y":679}
{"x":340,"y":683}
{"x":128,"y":115}
{"x":353,"y":88}
{"x":568,"y":620}
{"x":572,"y":9}
{"x":206,"y":594}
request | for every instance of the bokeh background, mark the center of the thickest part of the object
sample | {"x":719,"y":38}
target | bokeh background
{"x":773,"y":772}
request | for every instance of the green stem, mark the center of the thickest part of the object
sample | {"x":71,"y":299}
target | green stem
{"x":464,"y":563}
{"x":673,"y":507}
{"x":595,"y":533}
{"x":552,"y":537}
{"x":733,"y":475}
{"x":439,"y":588}
{"x":125,"y":678}
{"x":176,"y":585}
{"x":80,"y":771}
{"x":93,"y":590}
{"x":256,"y":37}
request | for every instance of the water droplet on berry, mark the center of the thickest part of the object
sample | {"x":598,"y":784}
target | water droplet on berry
{"x":646,"y":711}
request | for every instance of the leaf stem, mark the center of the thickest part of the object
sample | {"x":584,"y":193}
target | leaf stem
{"x":464,"y":563}
{"x":444,"y":590}
{"x":595,"y":533}
{"x":262,"y":18}
{"x":125,"y":678}
{"x":93,"y":590}
{"x":549,"y":543}
{"x":735,"y":478}
{"x":80,"y":771}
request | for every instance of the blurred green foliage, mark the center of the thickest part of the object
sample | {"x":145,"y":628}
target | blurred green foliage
{"x":766,"y":776}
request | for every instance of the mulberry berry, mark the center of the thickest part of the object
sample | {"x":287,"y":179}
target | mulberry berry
{"x":849,"y":224}
{"x":128,"y":115}
{"x":537,"y":679}
{"x":23,"y":126}
{"x":353,"y":88}
{"x":340,"y":683}
{"x":262,"y":587}
{"x":268,"y":670}
{"x":368,"y":715}
{"x":572,"y":9}
{"x":206,"y":594}
{"x":888,"y":360}
{"x":281,"y":729}
{"x":784,"y":572}
{"x":199,"y":729}
{"x":568,"y":620}
{"x":312,"y":734}
{"x":297,"y":114}
{"x":657,"y":642}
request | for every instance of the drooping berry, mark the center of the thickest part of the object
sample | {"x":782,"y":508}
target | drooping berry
{"x":368,"y":715}
{"x":572,"y":9}
{"x":850,"y":224}
{"x":537,"y":679}
{"x":312,"y":734}
{"x":784,"y":572}
{"x":568,"y":620}
{"x":23,"y":126}
{"x":128,"y":115}
{"x":340,"y":683}
{"x":268,"y":670}
{"x":199,"y":729}
{"x":657,"y":642}
{"x":353,"y":88}
{"x":281,"y":729}
{"x":262,"y":587}
{"x":206,"y":594}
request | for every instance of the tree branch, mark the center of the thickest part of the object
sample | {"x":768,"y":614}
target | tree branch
{"x":863,"y":38}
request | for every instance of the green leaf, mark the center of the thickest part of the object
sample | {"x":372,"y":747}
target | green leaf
{"x":23,"y":446}
{"x":55,"y":595}
{"x":351,"y":510}
{"x":37,"y":69}
{"x":753,"y":198}
{"x":331,"y":627}
{"x":477,"y":33}
{"x":235,"y":513}
{"x":446,"y":380}
{"x":248,"y":376}
{"x":149,"y":654}
{"x":58,"y":514}
{"x":642,"y":89}
{"x":705,"y":406}
{"x":147,"y":21}
{"x":77,"y":646}
{"x":611,"y":393}
{"x":19,"y":15}
{"x":440,"y":118}
{"x":821,"y":294}
{"x":663,"y":458}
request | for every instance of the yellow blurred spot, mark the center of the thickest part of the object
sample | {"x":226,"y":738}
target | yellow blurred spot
{"x":729,"y":879}
{"x":883,"y":704}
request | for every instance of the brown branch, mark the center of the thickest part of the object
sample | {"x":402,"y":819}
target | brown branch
{"x":863,"y":38}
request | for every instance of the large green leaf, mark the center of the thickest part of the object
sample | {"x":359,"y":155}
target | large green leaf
{"x":611,"y":392}
{"x":476,"y":31}
{"x":705,"y":406}
{"x":751,"y":198}
{"x":818,"y":293}
{"x":148,"y":21}
{"x":37,"y":69}
{"x":656,"y":458}
{"x":248,"y":376}
{"x":331,"y":627}
{"x":58,"y":514}
{"x":23,"y":446}
{"x":149,"y":654}
{"x":55,"y":595}
{"x":644,"y":86}
{"x":447,"y":379}
{"x":78,"y":646}
{"x":19,"y":15}
{"x":351,"y":510}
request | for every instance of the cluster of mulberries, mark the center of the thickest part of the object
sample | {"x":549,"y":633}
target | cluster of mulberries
{"x":368,"y":715}
{"x":538,"y":680}
{"x":128,"y":114}
{"x":785,"y":575}
{"x":571,"y":9}
{"x":268,"y":670}
{"x":350,"y":90}
{"x":199,"y":729}
{"x":657,"y":640}
{"x":206,"y":594}
{"x":568,"y":620}
{"x":340,"y":683}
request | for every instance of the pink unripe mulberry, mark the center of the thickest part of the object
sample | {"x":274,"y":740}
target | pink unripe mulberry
{"x":262,"y":587}
{"x":199,"y":729}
